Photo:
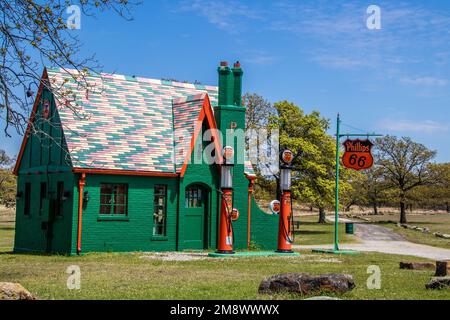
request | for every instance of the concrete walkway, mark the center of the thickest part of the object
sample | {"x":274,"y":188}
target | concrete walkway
{"x":374,"y":238}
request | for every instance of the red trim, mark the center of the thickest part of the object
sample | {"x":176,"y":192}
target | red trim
{"x":250,"y":191}
{"x":81,"y":184}
{"x":208,"y":113}
{"x":125,"y":172}
{"x":32,"y":117}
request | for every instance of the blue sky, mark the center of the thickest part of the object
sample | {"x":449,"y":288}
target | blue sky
{"x":317,"y":54}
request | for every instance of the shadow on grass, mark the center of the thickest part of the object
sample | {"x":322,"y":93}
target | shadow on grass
{"x":7,"y":228}
{"x":311,"y":232}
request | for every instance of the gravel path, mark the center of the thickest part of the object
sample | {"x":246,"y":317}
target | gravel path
{"x":374,"y":238}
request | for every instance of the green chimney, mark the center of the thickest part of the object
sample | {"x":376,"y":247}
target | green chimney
{"x":237,"y":90}
{"x":230,"y":84}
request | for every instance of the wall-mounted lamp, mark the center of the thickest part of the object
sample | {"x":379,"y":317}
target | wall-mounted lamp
{"x":18,"y":195}
{"x":86,"y":196}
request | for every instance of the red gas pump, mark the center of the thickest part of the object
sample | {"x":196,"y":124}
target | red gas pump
{"x":225,"y":244}
{"x":285,"y":234}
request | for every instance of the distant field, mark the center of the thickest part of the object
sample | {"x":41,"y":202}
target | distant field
{"x":435,"y":222}
{"x":7,"y":220}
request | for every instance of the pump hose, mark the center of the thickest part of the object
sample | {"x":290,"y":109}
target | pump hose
{"x":285,"y":229}
{"x":229,"y":223}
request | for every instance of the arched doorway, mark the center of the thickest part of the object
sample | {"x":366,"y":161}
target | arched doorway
{"x":196,"y":206}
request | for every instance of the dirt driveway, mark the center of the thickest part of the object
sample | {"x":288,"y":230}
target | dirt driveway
{"x":375,"y":238}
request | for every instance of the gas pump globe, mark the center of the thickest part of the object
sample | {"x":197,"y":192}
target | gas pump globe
{"x":285,"y":172}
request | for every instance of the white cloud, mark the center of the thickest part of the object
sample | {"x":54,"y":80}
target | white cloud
{"x":260,"y":59}
{"x":225,"y":15}
{"x":426,"y":81}
{"x":425,"y":126}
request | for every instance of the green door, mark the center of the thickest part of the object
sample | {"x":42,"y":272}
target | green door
{"x":196,"y":206}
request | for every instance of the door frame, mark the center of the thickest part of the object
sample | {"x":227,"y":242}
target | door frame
{"x":207,"y":193}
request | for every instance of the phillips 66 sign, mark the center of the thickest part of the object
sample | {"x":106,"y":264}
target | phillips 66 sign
{"x":358,"y":154}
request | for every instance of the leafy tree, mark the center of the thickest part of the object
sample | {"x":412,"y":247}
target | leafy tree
{"x":440,"y":191}
{"x":36,"y":33}
{"x":313,"y":179}
{"x":7,"y":181}
{"x":258,"y":111}
{"x":368,"y":188}
{"x":354,"y":194}
{"x":405,"y":165}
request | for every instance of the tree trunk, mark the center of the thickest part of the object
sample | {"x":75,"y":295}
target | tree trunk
{"x":311,"y":208}
{"x":322,"y":215}
{"x":403,"y":212}
{"x":375,"y":208}
{"x":448,"y":206}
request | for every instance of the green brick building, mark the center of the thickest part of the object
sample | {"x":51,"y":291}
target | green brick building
{"x":112,"y":165}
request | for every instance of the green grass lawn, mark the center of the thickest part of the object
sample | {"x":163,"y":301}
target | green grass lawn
{"x":132,"y":276}
{"x":129,"y":276}
{"x":312,"y":233}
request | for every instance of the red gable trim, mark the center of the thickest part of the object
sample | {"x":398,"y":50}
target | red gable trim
{"x":208,"y":113}
{"x":125,"y":172}
{"x":32,"y":118}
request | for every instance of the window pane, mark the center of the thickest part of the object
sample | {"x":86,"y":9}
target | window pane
{"x":106,"y":189}
{"x":105,"y":199}
{"x":105,"y":209}
{"x":121,"y":189}
{"x":159,"y":210}
{"x":113,"y":199}
{"x":120,"y":199}
{"x":119,"y":209}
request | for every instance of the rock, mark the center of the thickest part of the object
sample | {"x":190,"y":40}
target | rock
{"x":14,"y":291}
{"x":417,"y":265}
{"x":442,"y":268}
{"x":306,"y":284}
{"x":438,"y":283}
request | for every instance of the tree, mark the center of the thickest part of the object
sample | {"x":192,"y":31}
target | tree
{"x":354,"y":194}
{"x":313,"y":177}
{"x":257,"y":114}
{"x":34,"y":34}
{"x":440,"y":191}
{"x":368,"y":188}
{"x":7,"y":181}
{"x":405,"y":165}
{"x":258,"y":111}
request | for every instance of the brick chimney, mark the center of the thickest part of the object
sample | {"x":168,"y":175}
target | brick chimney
{"x":230,"y":84}
{"x":237,"y":91}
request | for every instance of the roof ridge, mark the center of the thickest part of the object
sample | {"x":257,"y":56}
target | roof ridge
{"x":138,"y":79}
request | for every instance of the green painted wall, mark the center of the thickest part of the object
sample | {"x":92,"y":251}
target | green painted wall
{"x":44,"y":161}
{"x":133,"y":232}
{"x":198,"y":172}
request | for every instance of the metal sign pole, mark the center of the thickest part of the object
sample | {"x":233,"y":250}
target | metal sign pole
{"x":336,"y":206}
{"x":336,"y":249}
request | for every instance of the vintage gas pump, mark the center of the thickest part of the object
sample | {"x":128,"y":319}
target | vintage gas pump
{"x":285,"y":234}
{"x":227,"y":213}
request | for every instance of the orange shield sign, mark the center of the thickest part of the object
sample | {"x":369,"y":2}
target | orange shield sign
{"x":358,"y":154}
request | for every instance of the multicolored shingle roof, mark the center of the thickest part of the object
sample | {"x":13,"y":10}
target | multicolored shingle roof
{"x":127,"y":123}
